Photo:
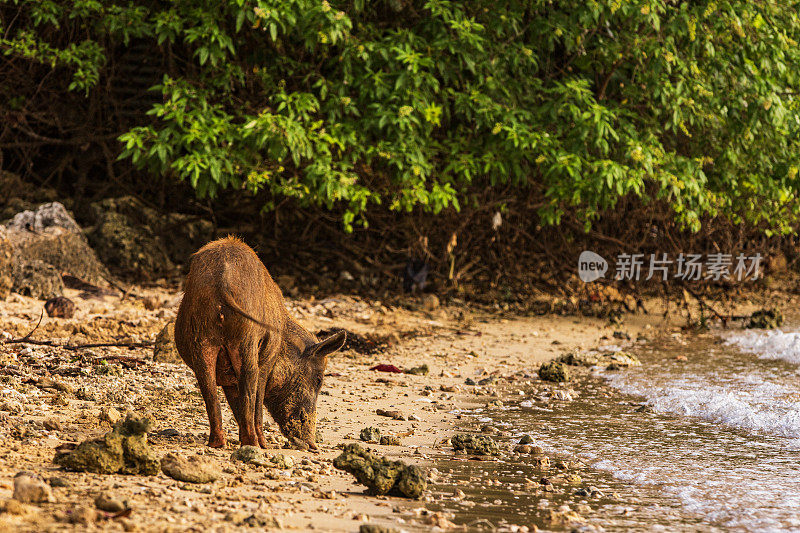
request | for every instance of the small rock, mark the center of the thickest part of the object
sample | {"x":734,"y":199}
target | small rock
{"x":375,"y":528}
{"x":11,"y":406}
{"x":260,"y":520}
{"x":396,"y":415}
{"x":554,"y":371}
{"x":370,"y":435}
{"x":51,"y":424}
{"x":561,"y":395}
{"x":60,"y":307}
{"x":37,"y":279}
{"x":765,"y":319}
{"x":108,"y":503}
{"x":542,"y":462}
{"x":85,"y":394}
{"x":251,"y":455}
{"x":110,"y":415}
{"x":14,"y":507}
{"x":58,"y":482}
{"x":237,"y":517}
{"x":581,"y":359}
{"x":421,"y":370}
{"x":430,"y":302}
{"x":282,"y":461}
{"x":151,"y":303}
{"x":380,"y":475}
{"x":28,"y":488}
{"x":526,"y":439}
{"x":124,"y":449}
{"x":390,"y":440}
{"x":624,"y":359}
{"x":194,"y":469}
{"x":164,"y":350}
{"x":83,"y":515}
{"x":589,"y":492}
{"x":475,"y":444}
{"x":469,"y":381}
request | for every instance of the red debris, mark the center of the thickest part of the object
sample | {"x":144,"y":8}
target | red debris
{"x":387,"y":368}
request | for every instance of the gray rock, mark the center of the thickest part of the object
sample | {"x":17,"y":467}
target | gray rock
{"x":46,"y":216}
{"x":52,"y":236}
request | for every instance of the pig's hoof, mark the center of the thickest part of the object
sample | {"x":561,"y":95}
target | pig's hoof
{"x":216,"y":442}
{"x":262,"y":442}
{"x":249,"y":441}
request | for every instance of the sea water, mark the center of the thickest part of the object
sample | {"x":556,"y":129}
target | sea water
{"x":704,"y":436}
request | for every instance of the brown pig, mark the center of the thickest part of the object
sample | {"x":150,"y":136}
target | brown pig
{"x":234,"y":331}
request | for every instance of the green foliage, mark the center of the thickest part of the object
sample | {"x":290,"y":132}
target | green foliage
{"x":429,"y":103}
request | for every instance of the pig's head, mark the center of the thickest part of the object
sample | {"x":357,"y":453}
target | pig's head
{"x":296,"y":380}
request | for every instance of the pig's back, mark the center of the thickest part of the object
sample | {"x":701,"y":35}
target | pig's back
{"x":229,"y":266}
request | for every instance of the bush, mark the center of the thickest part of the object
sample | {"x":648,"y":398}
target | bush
{"x":426,"y":104}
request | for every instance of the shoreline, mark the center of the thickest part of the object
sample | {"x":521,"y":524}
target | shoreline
{"x":455,"y":343}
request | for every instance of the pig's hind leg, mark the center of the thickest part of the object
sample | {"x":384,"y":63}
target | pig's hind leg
{"x":205,"y":371}
{"x":248,"y":391}
{"x":259,"y":412}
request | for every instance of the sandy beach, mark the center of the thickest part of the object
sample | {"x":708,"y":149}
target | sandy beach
{"x":306,"y":493}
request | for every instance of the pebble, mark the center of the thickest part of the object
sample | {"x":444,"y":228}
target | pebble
{"x":83,"y":515}
{"x":396,"y":415}
{"x":15,"y":507}
{"x":108,"y":503}
{"x":370,"y":435}
{"x":58,"y":481}
{"x":110,"y":415}
{"x":430,"y":302}
{"x":11,"y":406}
{"x":249,"y":454}
{"x":28,"y":488}
{"x":51,"y":424}
{"x":390,"y":440}
{"x":193,"y":469}
{"x":282,"y":461}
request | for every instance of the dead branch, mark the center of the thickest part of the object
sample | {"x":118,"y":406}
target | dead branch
{"x":76,"y":347}
{"x":28,"y":335}
{"x":705,"y":305}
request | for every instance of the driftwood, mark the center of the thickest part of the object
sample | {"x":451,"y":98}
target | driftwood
{"x":75,"y":347}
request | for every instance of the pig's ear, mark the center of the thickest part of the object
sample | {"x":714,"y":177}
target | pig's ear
{"x":328,"y":345}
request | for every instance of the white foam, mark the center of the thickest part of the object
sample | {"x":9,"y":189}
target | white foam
{"x":745,"y":401}
{"x":775,"y":344}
